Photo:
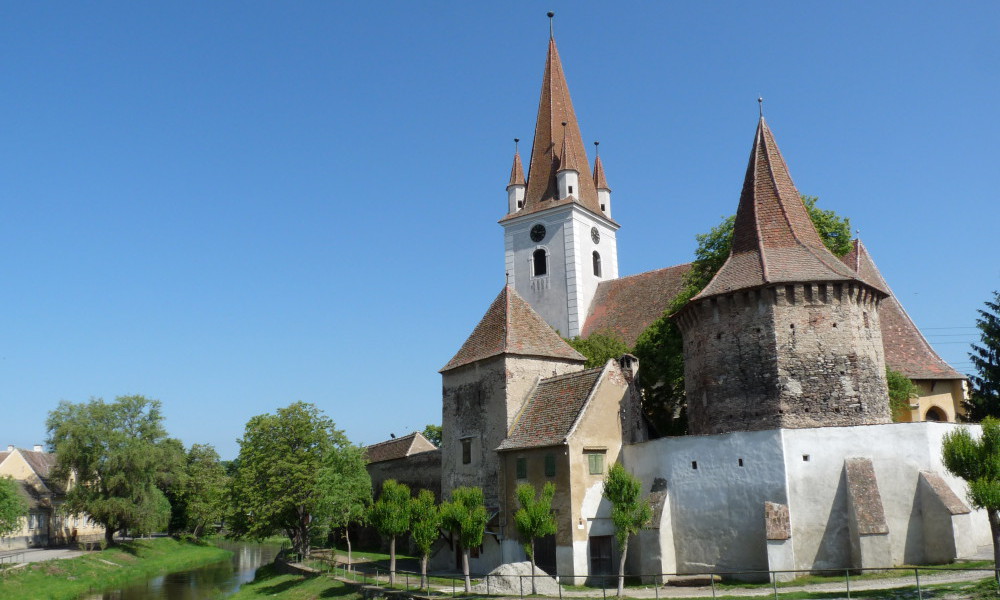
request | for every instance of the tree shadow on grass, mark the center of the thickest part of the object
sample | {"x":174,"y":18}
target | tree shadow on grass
{"x":278,"y":588}
{"x":339,"y":591}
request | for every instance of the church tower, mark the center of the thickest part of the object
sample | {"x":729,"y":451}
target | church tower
{"x":559,"y":238}
{"x":785,"y":335}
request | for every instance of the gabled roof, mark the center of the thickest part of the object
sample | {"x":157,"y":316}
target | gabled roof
{"x":600,"y":180}
{"x":401,"y":447}
{"x":553,"y":408}
{"x":547,"y":154}
{"x":774,"y":240}
{"x":516,"y":171}
{"x":906,"y":349}
{"x":511,"y":326}
{"x":625,"y":307}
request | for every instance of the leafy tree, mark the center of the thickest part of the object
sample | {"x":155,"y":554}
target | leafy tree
{"x":12,"y":507}
{"x":598,"y":348}
{"x":346,"y":490}
{"x":534,"y":519}
{"x":119,"y":454}
{"x":978,"y":463}
{"x":660,"y":347}
{"x":276,"y":487}
{"x":204,"y":490}
{"x":390,"y":515}
{"x":465,"y":516}
{"x":985,"y":356}
{"x":433,"y":434}
{"x":425,"y":524}
{"x":901,"y":391}
{"x":629,"y":513}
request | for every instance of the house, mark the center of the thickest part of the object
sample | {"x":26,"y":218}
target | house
{"x":46,"y":524}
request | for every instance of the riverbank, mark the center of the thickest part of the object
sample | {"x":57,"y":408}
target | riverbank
{"x":69,"y":579}
{"x":270,"y":584}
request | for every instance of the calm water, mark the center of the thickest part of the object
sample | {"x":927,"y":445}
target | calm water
{"x":209,"y":582}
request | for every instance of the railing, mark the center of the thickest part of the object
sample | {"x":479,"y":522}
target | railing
{"x":728,"y":583}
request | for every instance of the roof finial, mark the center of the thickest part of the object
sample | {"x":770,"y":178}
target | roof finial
{"x":551,"y":14}
{"x":760,"y":106}
{"x":508,"y":277}
{"x":516,"y":140}
{"x":597,"y":148}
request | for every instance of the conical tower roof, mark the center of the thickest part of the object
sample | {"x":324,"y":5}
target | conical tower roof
{"x":547,"y":153}
{"x":511,"y":326}
{"x":516,"y":171}
{"x":600,"y":180}
{"x":774,"y":240}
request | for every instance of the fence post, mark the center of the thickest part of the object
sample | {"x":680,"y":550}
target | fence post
{"x":847,"y":577}
{"x":520,"y":579}
{"x":487,"y":584}
{"x":774,"y":583}
{"x":916,"y":574}
{"x":711,"y":577}
{"x":604,"y":586}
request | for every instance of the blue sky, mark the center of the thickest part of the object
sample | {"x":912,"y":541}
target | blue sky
{"x":231,"y":206}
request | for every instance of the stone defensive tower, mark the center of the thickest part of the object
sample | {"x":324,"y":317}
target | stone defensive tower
{"x":785,"y":335}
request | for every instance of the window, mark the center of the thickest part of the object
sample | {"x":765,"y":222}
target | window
{"x":595,"y":461}
{"x":522,"y":468}
{"x":466,"y":450}
{"x":31,"y":520}
{"x":550,"y":465}
{"x":597,"y":264}
{"x":540,"y":262}
{"x":570,"y":190}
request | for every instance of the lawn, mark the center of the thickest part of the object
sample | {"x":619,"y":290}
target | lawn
{"x":270,"y":584}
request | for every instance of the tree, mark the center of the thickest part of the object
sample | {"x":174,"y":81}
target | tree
{"x":12,"y":507}
{"x":390,"y":515}
{"x":660,"y":347}
{"x":346,"y":490}
{"x":985,"y":356}
{"x":433,"y":434}
{"x":629,"y":513}
{"x":425,"y":524}
{"x":598,"y":348}
{"x":978,"y":463}
{"x":204,"y":490}
{"x":118,"y":453}
{"x":901,"y":391}
{"x":465,"y":516}
{"x":276,"y":486}
{"x":534,"y":519}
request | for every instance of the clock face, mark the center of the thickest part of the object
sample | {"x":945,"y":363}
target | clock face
{"x":595,"y":235}
{"x":538,"y":233}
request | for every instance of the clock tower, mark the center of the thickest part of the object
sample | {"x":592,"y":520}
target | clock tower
{"x":559,"y":237}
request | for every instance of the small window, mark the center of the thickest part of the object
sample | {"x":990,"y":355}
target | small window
{"x":595,"y":460}
{"x":31,"y":520}
{"x":741,"y":462}
{"x":694,"y":465}
{"x":570,"y":189}
{"x":466,"y":451}
{"x":522,"y":468}
{"x":540,"y":262}
{"x":550,"y":465}
{"x":805,"y":458}
{"x":597,"y":264}
{"x":520,"y":204}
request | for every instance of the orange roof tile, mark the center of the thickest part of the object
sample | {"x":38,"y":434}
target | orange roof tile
{"x":625,"y":307}
{"x":516,"y":171}
{"x":600,"y":180}
{"x":400,"y":447}
{"x":552,"y":409}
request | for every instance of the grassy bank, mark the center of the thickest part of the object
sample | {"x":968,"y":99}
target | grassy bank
{"x":69,"y":579}
{"x":270,"y":584}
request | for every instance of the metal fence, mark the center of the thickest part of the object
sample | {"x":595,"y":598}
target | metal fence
{"x":922,"y":580}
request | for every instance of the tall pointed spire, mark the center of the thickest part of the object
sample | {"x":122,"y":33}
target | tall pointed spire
{"x":600,"y":180}
{"x":774,"y":239}
{"x":516,"y":170}
{"x":547,"y":152}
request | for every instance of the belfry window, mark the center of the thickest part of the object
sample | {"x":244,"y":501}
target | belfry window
{"x":597,"y":264}
{"x":540,"y":262}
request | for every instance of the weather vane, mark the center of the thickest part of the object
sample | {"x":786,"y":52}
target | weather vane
{"x":550,"y":14}
{"x":760,"y":105}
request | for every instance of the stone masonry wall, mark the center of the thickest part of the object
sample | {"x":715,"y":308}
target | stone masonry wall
{"x":802,"y":355}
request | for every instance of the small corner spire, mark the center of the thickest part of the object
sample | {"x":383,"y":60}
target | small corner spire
{"x":551,"y":14}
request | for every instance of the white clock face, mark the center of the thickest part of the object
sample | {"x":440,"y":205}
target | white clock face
{"x":595,"y":235}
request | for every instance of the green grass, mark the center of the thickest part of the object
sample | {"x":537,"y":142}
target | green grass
{"x":270,"y":584}
{"x":70,"y":578}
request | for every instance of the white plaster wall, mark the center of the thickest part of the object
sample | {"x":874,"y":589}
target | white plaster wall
{"x":717,"y":510}
{"x":818,"y":503}
{"x":583,"y":287}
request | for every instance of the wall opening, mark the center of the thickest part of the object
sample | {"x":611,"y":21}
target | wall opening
{"x":540,"y":262}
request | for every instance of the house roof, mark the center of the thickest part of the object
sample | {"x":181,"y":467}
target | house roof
{"x":774,"y":239}
{"x":625,"y":307}
{"x":550,"y":413}
{"x":556,"y":146}
{"x":401,"y":447}
{"x":511,"y":326}
{"x":906,"y":349}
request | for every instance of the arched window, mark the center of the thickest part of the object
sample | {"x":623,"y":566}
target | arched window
{"x":935,"y":414}
{"x":597,"y":264}
{"x":541,"y":262}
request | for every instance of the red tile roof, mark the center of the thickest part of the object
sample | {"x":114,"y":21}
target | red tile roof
{"x":625,"y":307}
{"x":906,"y":349}
{"x":600,"y":180}
{"x":773,"y":239}
{"x":554,"y":406}
{"x":401,"y":447}
{"x":511,"y":326}
{"x":555,"y":107}
{"x":516,"y":171}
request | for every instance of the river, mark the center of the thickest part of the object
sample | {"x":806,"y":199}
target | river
{"x":209,"y":582}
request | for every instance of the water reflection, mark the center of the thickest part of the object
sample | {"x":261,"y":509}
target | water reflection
{"x":216,"y":580}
